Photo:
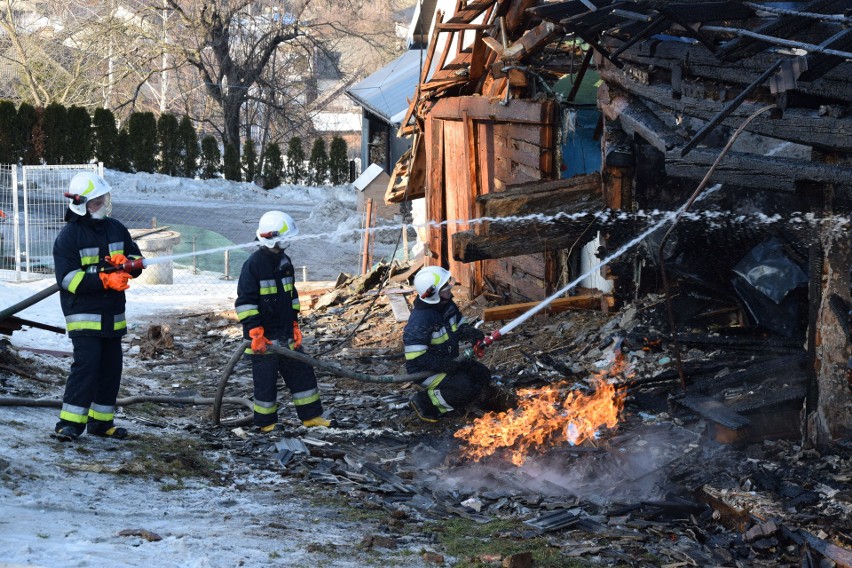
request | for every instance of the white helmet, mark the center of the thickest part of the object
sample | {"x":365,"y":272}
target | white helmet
{"x":84,"y":187}
{"x":429,"y":281}
{"x":274,"y":226}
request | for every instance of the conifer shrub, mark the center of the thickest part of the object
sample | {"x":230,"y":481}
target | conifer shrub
{"x":105,"y":139}
{"x":338,"y":163}
{"x":142,"y":127}
{"x":295,"y":171}
{"x":121,"y":155}
{"x":187,"y":148}
{"x":167,"y":144}
{"x":28,"y":120}
{"x":78,"y":135}
{"x":54,"y":122}
{"x":318,"y":163}
{"x":210,"y":157}
{"x":8,"y":128}
{"x":249,"y":160}
{"x":273,"y":166}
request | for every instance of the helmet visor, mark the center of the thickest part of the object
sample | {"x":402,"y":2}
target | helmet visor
{"x":99,"y":207}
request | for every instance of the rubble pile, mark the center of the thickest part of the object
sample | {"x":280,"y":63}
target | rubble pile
{"x":663,"y":486}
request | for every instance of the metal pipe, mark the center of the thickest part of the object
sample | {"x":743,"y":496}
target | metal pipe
{"x":27,"y":302}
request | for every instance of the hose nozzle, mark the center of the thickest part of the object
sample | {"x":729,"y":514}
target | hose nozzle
{"x":479,"y":347}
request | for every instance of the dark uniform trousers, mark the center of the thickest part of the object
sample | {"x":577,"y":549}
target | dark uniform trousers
{"x":299,"y":378}
{"x":95,"y":374}
{"x":460,"y":387}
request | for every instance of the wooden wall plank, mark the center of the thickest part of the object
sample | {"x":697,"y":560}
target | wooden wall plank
{"x":435,"y":190}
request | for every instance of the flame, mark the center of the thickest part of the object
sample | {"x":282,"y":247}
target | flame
{"x":546,"y":416}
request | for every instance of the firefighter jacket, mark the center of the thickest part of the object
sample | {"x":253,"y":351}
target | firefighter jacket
{"x":267,"y":296}
{"x":78,"y":256}
{"x":431,"y":337}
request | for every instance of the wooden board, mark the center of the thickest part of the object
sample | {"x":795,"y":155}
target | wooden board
{"x":399,"y":306}
{"x":587,"y":302}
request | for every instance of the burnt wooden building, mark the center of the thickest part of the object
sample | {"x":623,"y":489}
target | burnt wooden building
{"x":728,"y":123}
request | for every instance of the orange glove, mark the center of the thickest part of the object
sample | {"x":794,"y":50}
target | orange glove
{"x":116,"y":259}
{"x":297,"y":335}
{"x":258,"y":340}
{"x":115,"y":280}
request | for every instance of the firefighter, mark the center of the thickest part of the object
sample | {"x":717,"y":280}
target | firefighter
{"x":268,"y":307}
{"x":93,"y":304}
{"x":431,"y":337}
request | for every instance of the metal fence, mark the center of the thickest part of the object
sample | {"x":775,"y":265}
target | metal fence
{"x":32,"y":212}
{"x":33,"y":208}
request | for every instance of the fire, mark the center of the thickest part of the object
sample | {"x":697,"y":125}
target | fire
{"x":545,"y":416}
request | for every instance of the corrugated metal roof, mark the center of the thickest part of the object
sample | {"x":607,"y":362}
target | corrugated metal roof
{"x":385,"y":93}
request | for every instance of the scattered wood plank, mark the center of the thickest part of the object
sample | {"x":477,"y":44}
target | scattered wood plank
{"x":399,"y":306}
{"x":416,"y":265}
{"x":585,"y":302}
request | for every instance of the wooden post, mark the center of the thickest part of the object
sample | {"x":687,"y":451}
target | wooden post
{"x":365,"y":253}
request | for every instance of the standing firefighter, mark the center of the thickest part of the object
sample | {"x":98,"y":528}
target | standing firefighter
{"x":93,"y":303}
{"x":431,"y":337}
{"x":268,"y":307}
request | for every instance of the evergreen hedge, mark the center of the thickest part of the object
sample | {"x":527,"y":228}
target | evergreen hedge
{"x":273,"y":166}
{"x":318,"y":163}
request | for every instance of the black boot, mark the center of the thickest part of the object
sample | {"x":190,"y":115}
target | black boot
{"x":105,"y":429}
{"x":67,"y":431}
{"x":423,"y":407}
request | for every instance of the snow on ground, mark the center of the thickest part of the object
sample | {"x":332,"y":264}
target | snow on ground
{"x":64,"y":504}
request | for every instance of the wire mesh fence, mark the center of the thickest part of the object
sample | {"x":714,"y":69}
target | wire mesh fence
{"x":32,"y":212}
{"x":194,"y":244}
{"x":35,"y":197}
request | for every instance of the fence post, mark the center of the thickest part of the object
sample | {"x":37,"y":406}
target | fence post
{"x":194,"y":255}
{"x":304,"y":274}
{"x":16,"y":223}
{"x":227,"y":275}
{"x":365,"y":258}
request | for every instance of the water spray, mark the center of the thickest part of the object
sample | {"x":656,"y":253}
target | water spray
{"x":478,"y":349}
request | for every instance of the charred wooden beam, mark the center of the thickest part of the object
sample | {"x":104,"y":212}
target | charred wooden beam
{"x":820,"y":64}
{"x":802,"y":126}
{"x":730,"y":107}
{"x":784,"y":26}
{"x":753,"y":170}
{"x":575,"y":194}
{"x":520,"y":239}
{"x":532,"y":41}
{"x":666,"y":55}
{"x":636,"y":118}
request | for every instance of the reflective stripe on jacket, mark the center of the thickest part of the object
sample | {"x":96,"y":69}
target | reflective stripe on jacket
{"x":78,"y":255}
{"x":431,"y":331}
{"x":267,"y":295}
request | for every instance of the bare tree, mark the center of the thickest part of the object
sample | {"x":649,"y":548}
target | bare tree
{"x":261,"y":52}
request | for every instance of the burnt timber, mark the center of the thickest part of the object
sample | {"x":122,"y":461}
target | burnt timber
{"x":750,"y":98}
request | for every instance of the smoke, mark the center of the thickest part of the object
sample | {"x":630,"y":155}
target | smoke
{"x":628,"y":468}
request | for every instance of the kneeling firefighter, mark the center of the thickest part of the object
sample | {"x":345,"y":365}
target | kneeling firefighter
{"x":431,"y":337}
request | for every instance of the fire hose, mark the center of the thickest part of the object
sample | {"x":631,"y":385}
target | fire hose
{"x":162,"y":399}
{"x":308,"y":360}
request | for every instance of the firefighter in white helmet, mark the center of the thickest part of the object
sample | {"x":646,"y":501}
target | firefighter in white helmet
{"x":431,"y":338}
{"x":87,"y":254}
{"x":268,"y":307}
